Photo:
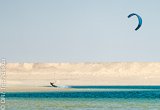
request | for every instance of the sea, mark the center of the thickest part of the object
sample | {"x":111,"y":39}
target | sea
{"x":87,"y":98}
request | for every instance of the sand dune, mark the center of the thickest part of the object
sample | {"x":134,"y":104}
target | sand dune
{"x":116,"y":73}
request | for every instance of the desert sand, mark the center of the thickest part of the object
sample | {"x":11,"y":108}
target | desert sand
{"x":38,"y":75}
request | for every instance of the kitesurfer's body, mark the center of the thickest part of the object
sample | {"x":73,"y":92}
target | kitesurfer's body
{"x":52,"y":84}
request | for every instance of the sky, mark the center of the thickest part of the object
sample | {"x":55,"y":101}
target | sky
{"x":79,"y":31}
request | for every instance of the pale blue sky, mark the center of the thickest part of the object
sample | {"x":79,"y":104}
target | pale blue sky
{"x":79,"y":30}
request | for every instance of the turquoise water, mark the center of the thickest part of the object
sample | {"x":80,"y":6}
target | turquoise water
{"x":88,"y":98}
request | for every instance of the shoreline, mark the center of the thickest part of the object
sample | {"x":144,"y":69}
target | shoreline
{"x":34,"y":89}
{"x":78,"y":87}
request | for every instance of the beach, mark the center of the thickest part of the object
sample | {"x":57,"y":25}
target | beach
{"x":39,"y":75}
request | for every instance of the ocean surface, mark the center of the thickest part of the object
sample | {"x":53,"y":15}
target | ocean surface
{"x":88,"y":98}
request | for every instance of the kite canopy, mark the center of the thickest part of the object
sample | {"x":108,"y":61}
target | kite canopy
{"x":139,"y":20}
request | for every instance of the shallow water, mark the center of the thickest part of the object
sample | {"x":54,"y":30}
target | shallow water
{"x":82,"y":104}
{"x":91,"y":98}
